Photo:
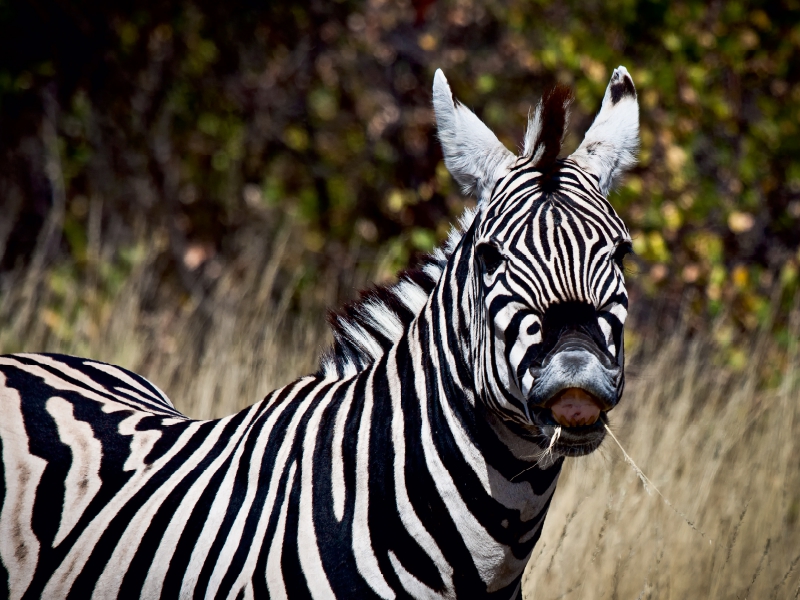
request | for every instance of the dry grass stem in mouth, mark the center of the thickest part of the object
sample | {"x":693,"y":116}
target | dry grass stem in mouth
{"x":546,"y":454}
{"x":553,"y":440}
{"x":649,"y":485}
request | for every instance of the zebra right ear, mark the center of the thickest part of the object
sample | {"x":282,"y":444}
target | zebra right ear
{"x":472,"y":153}
{"x":609,"y":147}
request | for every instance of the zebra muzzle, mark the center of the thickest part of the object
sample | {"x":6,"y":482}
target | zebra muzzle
{"x":575,"y":407}
{"x":576,"y":381}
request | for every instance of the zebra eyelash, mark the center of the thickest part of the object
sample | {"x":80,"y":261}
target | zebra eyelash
{"x":489,"y":257}
{"x":623,"y":249}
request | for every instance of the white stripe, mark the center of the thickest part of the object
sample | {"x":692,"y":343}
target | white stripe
{"x":110,"y":580}
{"x":109,"y":405}
{"x":408,"y":517}
{"x":62,"y":579}
{"x":524,"y":340}
{"x":366,"y":562}
{"x":19,"y":547}
{"x":310,"y":560}
{"x":471,"y":455}
{"x":415,"y":588}
{"x":605,"y":327}
{"x":123,"y":376}
{"x":362,"y":339}
{"x":486,"y":553}
{"x":83,"y":478}
{"x":169,"y":542}
{"x":276,"y":587}
{"x":255,"y":483}
{"x":338,"y":488}
{"x":413,"y":296}
{"x":216,"y":515}
{"x":383,"y":319}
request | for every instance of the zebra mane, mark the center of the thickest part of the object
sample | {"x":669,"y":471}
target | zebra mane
{"x":547,"y":126}
{"x":365,"y":329}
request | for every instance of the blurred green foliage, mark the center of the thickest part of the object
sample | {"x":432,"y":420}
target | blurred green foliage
{"x":195,"y":120}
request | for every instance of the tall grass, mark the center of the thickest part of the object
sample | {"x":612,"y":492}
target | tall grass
{"x":721,"y":447}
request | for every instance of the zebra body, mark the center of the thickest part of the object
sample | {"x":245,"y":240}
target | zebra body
{"x":418,"y":462}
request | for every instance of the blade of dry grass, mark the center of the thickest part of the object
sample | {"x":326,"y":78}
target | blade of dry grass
{"x":650,"y":486}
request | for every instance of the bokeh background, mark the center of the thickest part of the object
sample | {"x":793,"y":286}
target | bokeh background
{"x":187,"y":187}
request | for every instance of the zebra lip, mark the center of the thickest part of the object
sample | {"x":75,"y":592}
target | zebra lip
{"x":575,"y":407}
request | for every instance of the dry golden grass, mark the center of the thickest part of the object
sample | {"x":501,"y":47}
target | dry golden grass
{"x":724,"y":452}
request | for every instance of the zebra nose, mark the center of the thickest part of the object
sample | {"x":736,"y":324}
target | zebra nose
{"x":576,"y":368}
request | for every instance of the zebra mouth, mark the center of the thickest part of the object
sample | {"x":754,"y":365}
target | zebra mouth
{"x":572,"y":421}
{"x":570,"y":394}
{"x":575,"y":407}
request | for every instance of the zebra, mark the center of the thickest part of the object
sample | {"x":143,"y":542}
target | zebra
{"x":418,"y":462}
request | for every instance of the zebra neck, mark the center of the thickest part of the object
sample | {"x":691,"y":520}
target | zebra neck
{"x":484,"y":472}
{"x":400,"y":474}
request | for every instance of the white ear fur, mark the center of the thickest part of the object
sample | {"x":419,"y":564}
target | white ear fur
{"x":472,"y":153}
{"x":610,"y":146}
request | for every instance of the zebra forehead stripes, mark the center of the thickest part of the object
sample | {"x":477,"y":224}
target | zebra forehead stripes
{"x":565,"y":230}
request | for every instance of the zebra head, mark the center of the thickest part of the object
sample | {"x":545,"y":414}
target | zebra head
{"x":546,"y":291}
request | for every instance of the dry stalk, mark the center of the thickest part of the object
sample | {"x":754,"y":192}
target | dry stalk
{"x":545,"y":457}
{"x":563,"y":535}
{"x":786,"y":576}
{"x":735,"y":534}
{"x":648,"y":485}
{"x":603,"y":524}
{"x":758,"y":569}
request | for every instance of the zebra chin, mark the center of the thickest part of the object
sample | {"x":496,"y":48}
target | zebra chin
{"x":572,"y":391}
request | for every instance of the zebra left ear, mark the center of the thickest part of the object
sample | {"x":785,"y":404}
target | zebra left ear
{"x":472,"y":153}
{"x":610,"y":146}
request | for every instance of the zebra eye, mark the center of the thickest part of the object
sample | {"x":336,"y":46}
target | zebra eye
{"x":620,"y":252}
{"x":489,"y":256}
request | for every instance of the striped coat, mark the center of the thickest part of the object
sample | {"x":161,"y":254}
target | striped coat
{"x":418,"y":462}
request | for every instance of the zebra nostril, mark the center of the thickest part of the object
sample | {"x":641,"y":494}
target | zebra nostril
{"x":574,"y":368}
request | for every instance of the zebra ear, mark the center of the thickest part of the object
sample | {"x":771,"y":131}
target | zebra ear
{"x":610,"y":146}
{"x":472,"y":153}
